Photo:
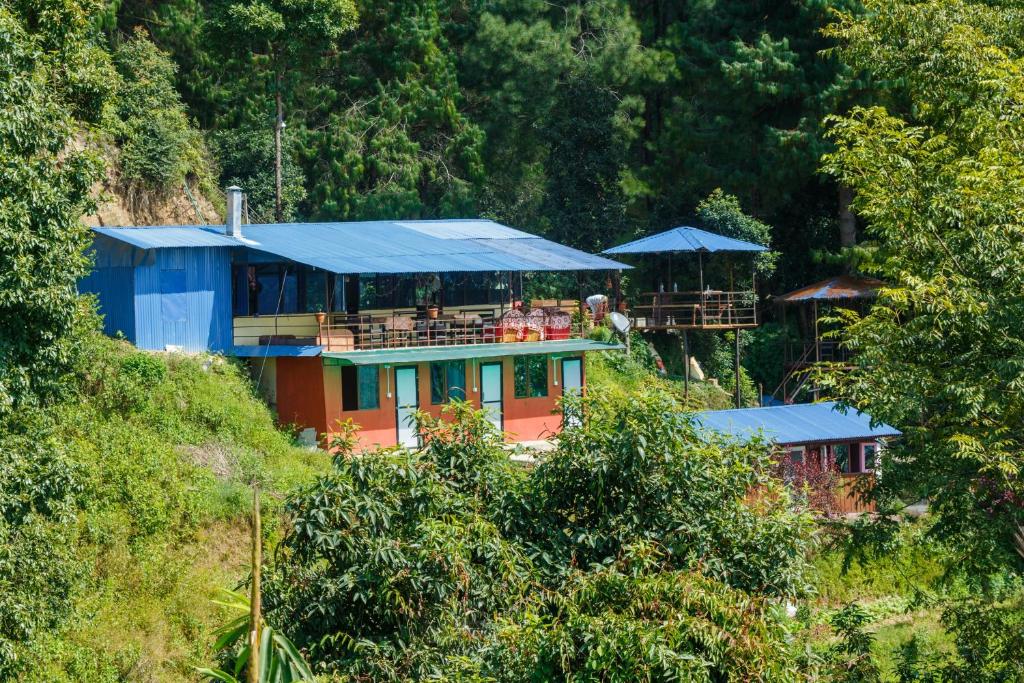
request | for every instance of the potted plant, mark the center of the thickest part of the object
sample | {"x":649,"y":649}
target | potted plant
{"x":432,"y":311}
{"x":320,"y":318}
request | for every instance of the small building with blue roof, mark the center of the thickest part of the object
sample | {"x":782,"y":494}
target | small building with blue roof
{"x":820,"y":435}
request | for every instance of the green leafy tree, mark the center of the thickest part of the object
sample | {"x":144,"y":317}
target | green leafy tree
{"x":639,"y":620}
{"x":50,"y":74}
{"x":246,"y":158}
{"x":721,"y":213}
{"x":636,"y":546}
{"x":389,"y":567}
{"x":939,"y":187}
{"x":283,"y":44}
{"x":45,"y":189}
{"x":939,"y":193}
{"x":553,"y":89}
{"x":159,"y":147}
{"x":394,"y":139}
{"x":638,"y":471}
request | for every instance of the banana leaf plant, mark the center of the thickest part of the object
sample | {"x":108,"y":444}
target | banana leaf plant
{"x":279,"y":660}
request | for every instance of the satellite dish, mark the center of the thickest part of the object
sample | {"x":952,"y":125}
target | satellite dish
{"x":620,"y":322}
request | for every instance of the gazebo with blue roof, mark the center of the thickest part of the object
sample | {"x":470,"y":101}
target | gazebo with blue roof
{"x":705,"y":308}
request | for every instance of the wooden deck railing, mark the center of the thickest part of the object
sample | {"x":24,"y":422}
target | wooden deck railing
{"x":403,"y":329}
{"x":695,"y":310}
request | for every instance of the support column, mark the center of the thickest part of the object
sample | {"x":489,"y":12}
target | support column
{"x":686,"y":365}
{"x":739,"y":393}
{"x":817,"y":348}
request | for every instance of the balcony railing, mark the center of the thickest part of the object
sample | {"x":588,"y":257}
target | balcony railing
{"x":709,"y":309}
{"x":403,"y":329}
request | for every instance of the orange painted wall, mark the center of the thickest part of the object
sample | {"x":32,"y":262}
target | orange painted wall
{"x":530,"y":419}
{"x":300,"y":393}
{"x":377,"y":427}
{"x":524,"y":419}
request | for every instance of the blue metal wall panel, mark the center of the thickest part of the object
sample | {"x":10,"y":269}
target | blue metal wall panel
{"x":184,"y":299}
{"x":113,"y":287}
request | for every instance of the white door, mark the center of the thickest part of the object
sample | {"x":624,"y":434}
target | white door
{"x":490,"y":392}
{"x":407,"y":402}
{"x":572,"y":383}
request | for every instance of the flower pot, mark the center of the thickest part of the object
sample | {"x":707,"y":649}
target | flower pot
{"x":320,"y":317}
{"x":432,"y":312}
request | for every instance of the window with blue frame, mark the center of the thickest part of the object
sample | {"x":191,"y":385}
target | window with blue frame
{"x":447,"y":381}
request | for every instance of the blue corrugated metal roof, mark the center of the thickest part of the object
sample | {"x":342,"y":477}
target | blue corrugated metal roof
{"x":383,"y":246}
{"x":797,"y":424}
{"x":170,"y":236}
{"x":684,"y":239}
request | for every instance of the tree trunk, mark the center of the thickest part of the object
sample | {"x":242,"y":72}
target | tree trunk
{"x":278,"y":125}
{"x":847,"y":221}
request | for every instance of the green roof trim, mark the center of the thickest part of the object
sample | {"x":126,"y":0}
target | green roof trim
{"x":465,"y":351}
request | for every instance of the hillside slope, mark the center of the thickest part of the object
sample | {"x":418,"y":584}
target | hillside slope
{"x":167,"y":446}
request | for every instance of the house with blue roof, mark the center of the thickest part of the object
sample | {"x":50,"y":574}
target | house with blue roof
{"x":821,"y":435}
{"x":363,"y":320}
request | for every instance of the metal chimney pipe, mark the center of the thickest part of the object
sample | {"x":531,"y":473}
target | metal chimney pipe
{"x":234,"y":216}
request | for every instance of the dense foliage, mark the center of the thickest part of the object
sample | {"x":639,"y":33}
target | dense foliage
{"x":588,"y":121}
{"x":940,"y":190}
{"x":402,"y":565}
{"x":939,"y":183}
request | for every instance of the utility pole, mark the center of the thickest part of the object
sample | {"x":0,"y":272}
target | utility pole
{"x":253,"y":673}
{"x":278,"y":126}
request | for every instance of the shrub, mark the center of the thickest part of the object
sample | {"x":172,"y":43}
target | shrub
{"x":388,"y":568}
{"x":639,"y":470}
{"x":639,"y":620}
{"x":159,"y":147}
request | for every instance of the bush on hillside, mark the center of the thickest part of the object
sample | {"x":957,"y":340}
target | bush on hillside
{"x":159,"y":147}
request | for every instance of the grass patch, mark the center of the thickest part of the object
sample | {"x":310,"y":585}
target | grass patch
{"x":167,"y":447}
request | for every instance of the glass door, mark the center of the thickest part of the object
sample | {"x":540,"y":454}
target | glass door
{"x":406,"y":405}
{"x":572,"y":384}
{"x":490,"y":392}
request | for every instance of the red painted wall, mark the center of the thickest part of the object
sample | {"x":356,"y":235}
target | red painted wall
{"x":300,"y":393}
{"x":377,"y":427}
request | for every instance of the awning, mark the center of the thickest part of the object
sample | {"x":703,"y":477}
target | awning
{"x":835,"y":289}
{"x":465,"y":351}
{"x":274,"y":351}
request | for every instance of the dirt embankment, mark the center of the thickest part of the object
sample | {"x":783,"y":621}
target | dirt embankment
{"x":121,"y":203}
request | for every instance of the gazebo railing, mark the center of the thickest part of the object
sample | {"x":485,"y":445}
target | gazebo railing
{"x":695,"y":310}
